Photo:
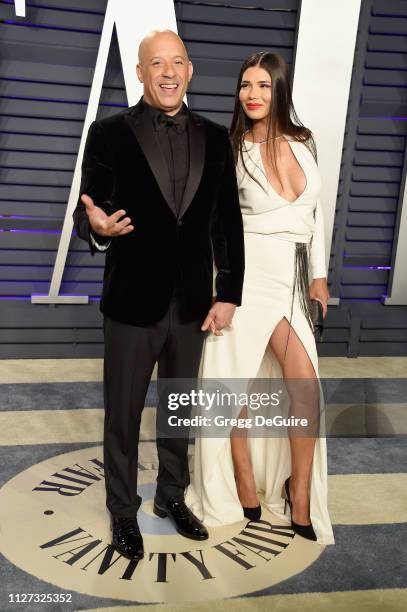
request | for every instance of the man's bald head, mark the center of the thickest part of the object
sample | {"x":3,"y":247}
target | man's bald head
{"x":164,"y":69}
{"x":155,"y":37}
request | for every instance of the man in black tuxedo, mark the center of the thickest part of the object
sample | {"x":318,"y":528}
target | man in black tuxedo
{"x":159,"y":195}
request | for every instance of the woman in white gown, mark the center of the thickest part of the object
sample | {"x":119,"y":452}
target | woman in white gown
{"x":271,"y":334}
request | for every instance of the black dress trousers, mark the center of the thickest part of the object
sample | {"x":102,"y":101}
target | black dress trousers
{"x":130,"y":355}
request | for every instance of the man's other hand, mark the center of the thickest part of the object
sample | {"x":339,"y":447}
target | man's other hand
{"x":103,"y":224}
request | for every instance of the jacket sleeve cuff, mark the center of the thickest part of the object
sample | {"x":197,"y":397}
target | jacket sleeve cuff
{"x":231,"y":300}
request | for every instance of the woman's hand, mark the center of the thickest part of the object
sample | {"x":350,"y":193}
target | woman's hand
{"x":318,"y":290}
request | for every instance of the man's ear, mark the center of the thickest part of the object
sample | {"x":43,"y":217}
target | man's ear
{"x":190,"y":70}
{"x":139,"y":71}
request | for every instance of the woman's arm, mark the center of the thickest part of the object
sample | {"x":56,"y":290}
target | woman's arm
{"x":317,"y":255}
{"x":319,"y":288}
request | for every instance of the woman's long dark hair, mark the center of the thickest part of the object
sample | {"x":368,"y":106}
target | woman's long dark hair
{"x":282,"y":113}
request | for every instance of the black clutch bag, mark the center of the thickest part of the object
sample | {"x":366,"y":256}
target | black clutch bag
{"x":317,"y":319}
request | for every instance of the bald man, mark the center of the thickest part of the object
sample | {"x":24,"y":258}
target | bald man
{"x":159,"y":195}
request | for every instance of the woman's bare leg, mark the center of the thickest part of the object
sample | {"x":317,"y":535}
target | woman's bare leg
{"x":245,"y":483}
{"x":304,"y":402}
{"x":302,"y":386}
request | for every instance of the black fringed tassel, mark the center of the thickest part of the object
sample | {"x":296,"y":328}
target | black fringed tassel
{"x":301,"y":283}
{"x":301,"y":280}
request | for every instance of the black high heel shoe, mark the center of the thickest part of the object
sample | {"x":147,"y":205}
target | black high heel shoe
{"x":253,"y":514}
{"x":306,"y":531}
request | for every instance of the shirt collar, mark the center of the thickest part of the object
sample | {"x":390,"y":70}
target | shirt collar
{"x":155,"y":112}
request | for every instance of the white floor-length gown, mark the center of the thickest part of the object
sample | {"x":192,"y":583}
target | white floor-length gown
{"x":272,"y":226}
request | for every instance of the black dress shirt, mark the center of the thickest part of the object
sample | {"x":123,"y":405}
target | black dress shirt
{"x":172,"y":133}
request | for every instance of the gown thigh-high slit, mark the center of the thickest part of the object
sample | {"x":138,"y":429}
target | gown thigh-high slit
{"x":272,"y":228}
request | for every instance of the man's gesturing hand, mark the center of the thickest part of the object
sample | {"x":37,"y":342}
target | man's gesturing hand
{"x":219,"y":316}
{"x":105,"y":225}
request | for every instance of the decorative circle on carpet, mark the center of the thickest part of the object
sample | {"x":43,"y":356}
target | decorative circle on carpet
{"x":55,"y":526}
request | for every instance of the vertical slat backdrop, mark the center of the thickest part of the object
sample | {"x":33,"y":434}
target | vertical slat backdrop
{"x":46,"y":68}
{"x":372,"y":165}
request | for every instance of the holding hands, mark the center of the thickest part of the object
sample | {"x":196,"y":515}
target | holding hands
{"x":103,"y":224}
{"x":219,"y":316}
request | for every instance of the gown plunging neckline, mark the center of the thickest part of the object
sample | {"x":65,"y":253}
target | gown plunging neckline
{"x":263,"y":170}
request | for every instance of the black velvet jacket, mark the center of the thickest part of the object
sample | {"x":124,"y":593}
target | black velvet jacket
{"x":123,"y":168}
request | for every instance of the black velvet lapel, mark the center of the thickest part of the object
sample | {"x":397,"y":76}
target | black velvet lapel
{"x":149,"y":144}
{"x":196,"y":135}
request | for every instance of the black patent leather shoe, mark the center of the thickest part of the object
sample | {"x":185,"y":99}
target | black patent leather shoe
{"x":126,"y":537}
{"x":253,"y":514}
{"x":184,"y":520}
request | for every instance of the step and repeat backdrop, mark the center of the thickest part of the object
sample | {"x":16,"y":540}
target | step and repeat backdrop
{"x":55,"y":56}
